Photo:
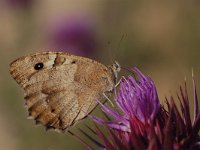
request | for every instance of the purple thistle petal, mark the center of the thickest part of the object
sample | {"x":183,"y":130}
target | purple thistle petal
{"x":97,"y":120}
{"x":115,"y":125}
{"x":113,"y":113}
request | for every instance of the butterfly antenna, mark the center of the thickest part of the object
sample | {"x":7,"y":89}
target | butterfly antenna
{"x":119,"y":44}
{"x":129,"y":70}
{"x":118,"y":47}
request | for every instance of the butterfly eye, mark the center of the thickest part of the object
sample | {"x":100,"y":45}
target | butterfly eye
{"x":38,"y":66}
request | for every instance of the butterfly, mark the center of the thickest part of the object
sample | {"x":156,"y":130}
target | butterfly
{"x":60,"y":88}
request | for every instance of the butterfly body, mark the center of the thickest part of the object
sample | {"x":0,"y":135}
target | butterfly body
{"x":60,"y":88}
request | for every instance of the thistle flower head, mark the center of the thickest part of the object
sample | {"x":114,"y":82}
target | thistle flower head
{"x":136,"y":98}
{"x":141,"y":122}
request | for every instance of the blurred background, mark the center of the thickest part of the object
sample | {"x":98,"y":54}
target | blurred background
{"x":161,"y":38}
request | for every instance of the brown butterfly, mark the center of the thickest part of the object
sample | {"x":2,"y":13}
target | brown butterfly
{"x":61,"y":89}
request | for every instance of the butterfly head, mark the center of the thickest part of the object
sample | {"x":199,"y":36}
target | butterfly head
{"x":115,"y":67}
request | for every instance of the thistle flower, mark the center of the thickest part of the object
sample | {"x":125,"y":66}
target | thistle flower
{"x":143,"y":123}
{"x":75,"y":35}
{"x":136,"y":98}
{"x":20,"y":4}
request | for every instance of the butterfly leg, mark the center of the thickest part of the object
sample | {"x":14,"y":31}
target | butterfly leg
{"x":107,"y":98}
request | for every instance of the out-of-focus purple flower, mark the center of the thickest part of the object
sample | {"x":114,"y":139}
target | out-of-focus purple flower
{"x":20,"y":4}
{"x":75,"y":35}
{"x":136,"y":98}
{"x":133,"y":128}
